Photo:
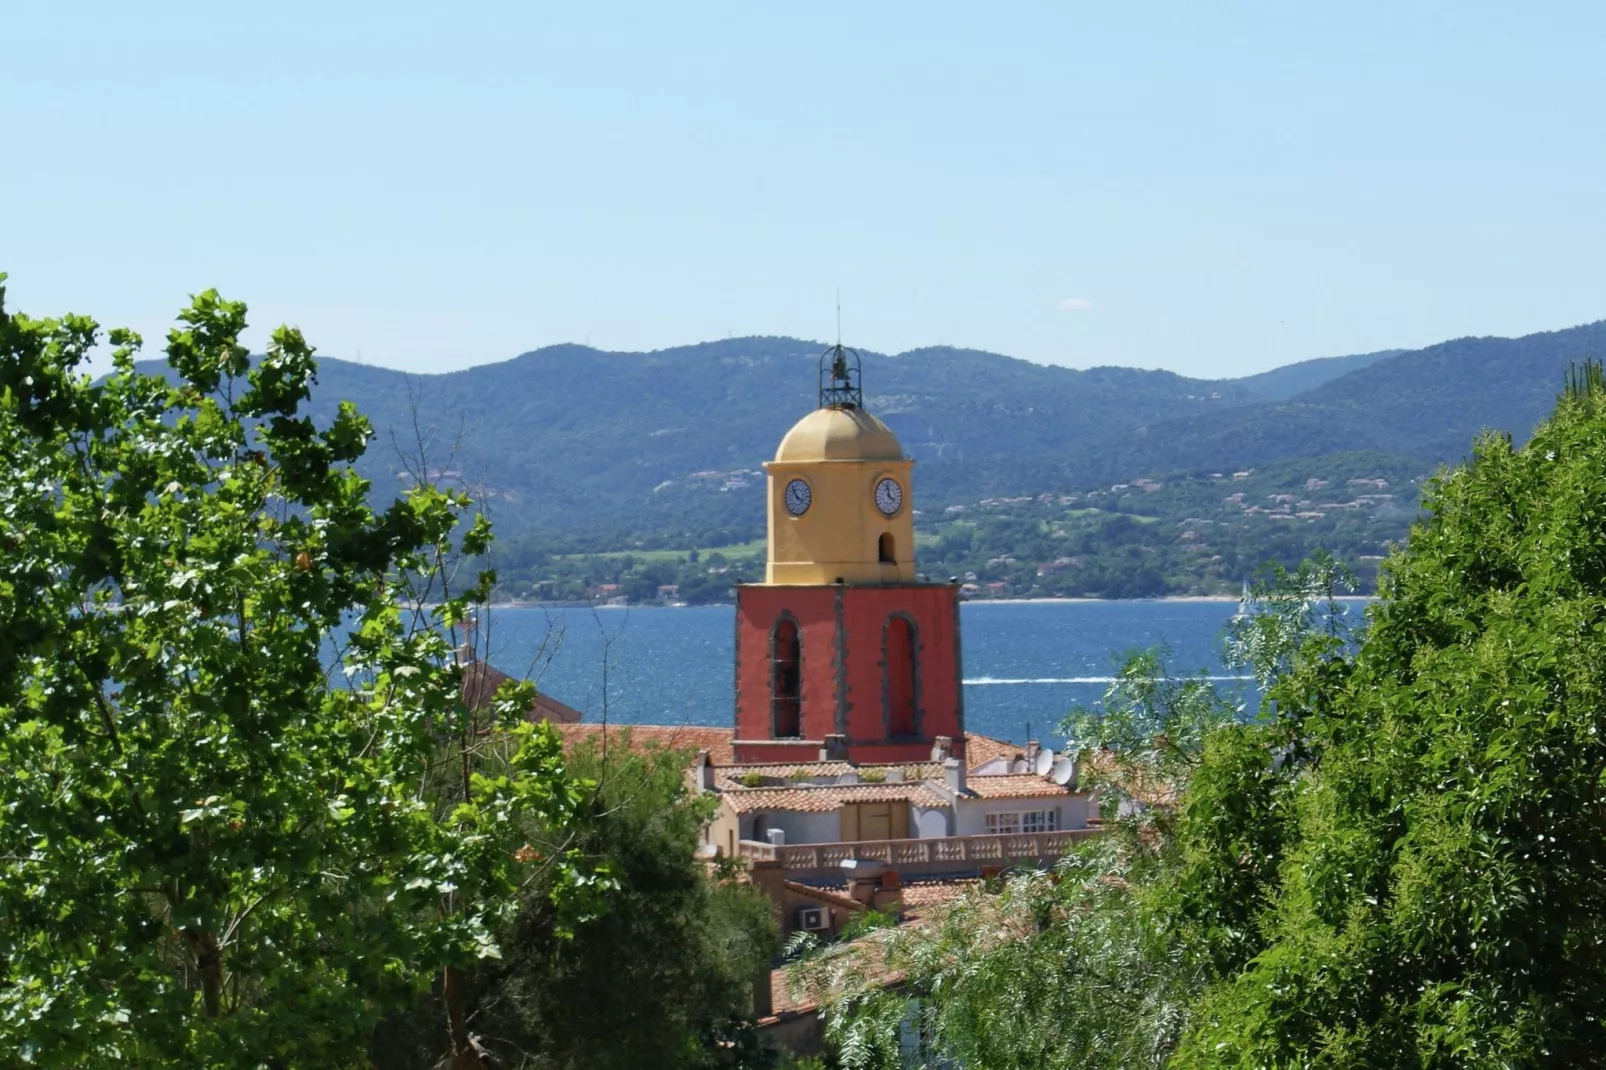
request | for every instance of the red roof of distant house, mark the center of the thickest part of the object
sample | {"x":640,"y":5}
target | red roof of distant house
{"x":482,"y":679}
{"x":716,"y":741}
{"x":1014,"y":786}
{"x":980,"y":749}
{"x":824,"y":799}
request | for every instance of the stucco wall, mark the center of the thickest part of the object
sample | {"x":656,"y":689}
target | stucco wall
{"x":799,"y":827}
{"x":723,"y":832}
{"x":971,"y":818}
{"x":930,"y":822}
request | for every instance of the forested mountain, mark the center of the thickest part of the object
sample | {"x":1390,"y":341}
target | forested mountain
{"x":580,"y":451}
{"x":1282,"y":383}
{"x":571,"y":439}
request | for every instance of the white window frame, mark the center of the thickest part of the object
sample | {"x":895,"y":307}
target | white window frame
{"x":1014,"y":822}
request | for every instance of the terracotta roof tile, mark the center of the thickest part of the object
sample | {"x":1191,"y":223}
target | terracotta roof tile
{"x":731,"y":776}
{"x":824,"y":895}
{"x":1013,"y":786}
{"x":716,"y":741}
{"x":481,"y":681}
{"x":920,"y":897}
{"x":782,"y":769}
{"x":821,"y":800}
{"x":980,"y":749}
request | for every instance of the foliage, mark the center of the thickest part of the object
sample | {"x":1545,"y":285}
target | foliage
{"x":1398,"y":865}
{"x":1056,"y":970}
{"x":1297,"y":617}
{"x":212,"y":853}
{"x":1438,"y":901}
{"x":1145,"y":738}
{"x":663,"y":978}
{"x":1101,"y":961}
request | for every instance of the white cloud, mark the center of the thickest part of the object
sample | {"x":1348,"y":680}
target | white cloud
{"x":1075,"y":304}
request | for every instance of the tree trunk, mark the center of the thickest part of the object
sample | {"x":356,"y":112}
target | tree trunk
{"x":209,"y":964}
{"x":465,"y":1053}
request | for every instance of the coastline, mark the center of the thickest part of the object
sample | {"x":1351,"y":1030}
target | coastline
{"x":1225,"y":599}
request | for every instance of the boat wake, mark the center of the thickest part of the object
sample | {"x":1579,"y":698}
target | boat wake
{"x":991,"y":681}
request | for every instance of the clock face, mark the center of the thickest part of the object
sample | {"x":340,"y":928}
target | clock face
{"x":798,"y":497}
{"x":888,"y":496}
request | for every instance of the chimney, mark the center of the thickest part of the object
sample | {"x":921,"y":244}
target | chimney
{"x":887,"y":896}
{"x":953,"y":774}
{"x":942,"y":748}
{"x":705,"y":771}
{"x":835,"y":749}
{"x":863,"y":878}
{"x":1032,"y":748}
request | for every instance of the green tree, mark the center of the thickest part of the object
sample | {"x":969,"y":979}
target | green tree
{"x":664,"y":978}
{"x":1101,"y":962}
{"x":221,"y":699}
{"x":1438,"y":903}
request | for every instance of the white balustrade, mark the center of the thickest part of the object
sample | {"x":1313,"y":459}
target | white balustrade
{"x":996,"y":849}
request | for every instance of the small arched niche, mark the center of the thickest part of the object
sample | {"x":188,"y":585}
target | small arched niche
{"x":887,"y":548}
{"x":786,"y":679}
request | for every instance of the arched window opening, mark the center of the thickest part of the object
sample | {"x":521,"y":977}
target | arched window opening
{"x":786,"y":680}
{"x":900,"y":669}
{"x":888,"y":547}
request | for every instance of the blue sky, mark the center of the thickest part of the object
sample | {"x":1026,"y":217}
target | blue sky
{"x":1212,"y":188}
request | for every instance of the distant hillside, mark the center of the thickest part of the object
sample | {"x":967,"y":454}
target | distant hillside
{"x":1428,"y":404}
{"x":572,"y":439}
{"x":1279,"y":384}
{"x":604,"y":450}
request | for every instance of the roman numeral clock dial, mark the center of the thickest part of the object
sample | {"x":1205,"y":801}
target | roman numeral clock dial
{"x":888,"y":497}
{"x":798,"y":496}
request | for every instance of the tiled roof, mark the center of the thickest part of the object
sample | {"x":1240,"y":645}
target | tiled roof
{"x":731,"y":776}
{"x":823,"y":895}
{"x":786,"y":1004}
{"x":1013,"y":786}
{"x":716,"y":741}
{"x":1104,"y":769}
{"x":980,"y":749}
{"x":921,"y":897}
{"x":784,"y":769}
{"x":821,"y":800}
{"x":783,"y":1002}
{"x":481,"y":681}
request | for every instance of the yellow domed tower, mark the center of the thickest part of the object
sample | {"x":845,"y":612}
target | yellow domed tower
{"x":844,"y":650}
{"x":839,"y":508}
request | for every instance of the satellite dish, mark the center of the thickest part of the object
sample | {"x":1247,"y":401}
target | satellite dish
{"x":1019,"y":766}
{"x":1045,"y":761}
{"x":1064,"y":769}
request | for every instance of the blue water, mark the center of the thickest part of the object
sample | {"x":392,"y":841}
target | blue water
{"x":1024,"y":663}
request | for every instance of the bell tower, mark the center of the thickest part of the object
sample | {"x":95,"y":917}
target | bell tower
{"x":842,"y":650}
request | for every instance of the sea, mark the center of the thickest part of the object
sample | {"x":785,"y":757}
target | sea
{"x":1026,"y":664}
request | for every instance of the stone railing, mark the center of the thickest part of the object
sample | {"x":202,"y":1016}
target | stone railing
{"x":936,"y":853}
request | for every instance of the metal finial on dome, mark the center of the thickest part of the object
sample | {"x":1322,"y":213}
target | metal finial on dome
{"x":839,"y":379}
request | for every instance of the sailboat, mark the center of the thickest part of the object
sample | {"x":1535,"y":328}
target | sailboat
{"x":1243,"y":603}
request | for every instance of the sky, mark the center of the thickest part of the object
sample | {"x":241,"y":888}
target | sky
{"x":1216,"y":189}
